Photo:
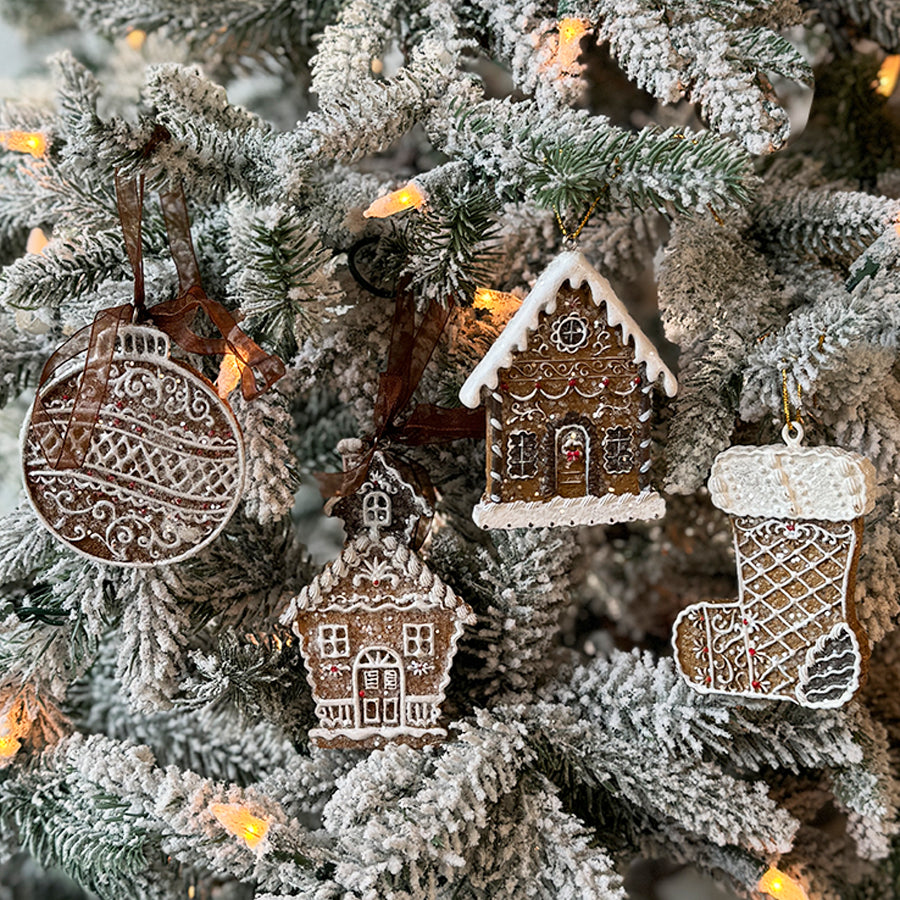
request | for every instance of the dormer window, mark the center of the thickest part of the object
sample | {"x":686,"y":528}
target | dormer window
{"x":376,"y":509}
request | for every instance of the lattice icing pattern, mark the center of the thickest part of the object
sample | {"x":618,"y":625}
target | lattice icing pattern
{"x":792,"y":634}
{"x":164,"y":469}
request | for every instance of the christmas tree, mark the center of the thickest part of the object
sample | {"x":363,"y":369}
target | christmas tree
{"x":340,"y":160}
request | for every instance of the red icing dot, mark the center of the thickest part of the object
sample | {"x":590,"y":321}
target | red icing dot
{"x":791,"y":527}
{"x":754,"y":684}
{"x":752,"y":652}
{"x":573,"y":382}
{"x":537,"y":384}
{"x":744,"y":621}
{"x":504,"y":386}
{"x":362,"y":693}
{"x":119,"y":404}
{"x":604,"y":381}
{"x":637,"y":379}
{"x":138,"y":429}
{"x":376,"y":582}
{"x":705,"y":650}
{"x":334,"y":668}
{"x":708,"y":679}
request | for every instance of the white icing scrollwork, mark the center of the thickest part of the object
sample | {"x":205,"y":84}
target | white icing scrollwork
{"x":163,"y":471}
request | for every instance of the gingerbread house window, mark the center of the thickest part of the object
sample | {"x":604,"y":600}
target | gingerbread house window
{"x":570,"y":333}
{"x":333,"y":641}
{"x":521,"y":456}
{"x":376,"y":509}
{"x":618,"y":450}
{"x":418,"y":640}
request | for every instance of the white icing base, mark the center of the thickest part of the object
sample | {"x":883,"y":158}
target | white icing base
{"x":361,"y":734}
{"x":563,"y":511}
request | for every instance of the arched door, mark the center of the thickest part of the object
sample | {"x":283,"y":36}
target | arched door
{"x":378,"y":687}
{"x":572,"y":458}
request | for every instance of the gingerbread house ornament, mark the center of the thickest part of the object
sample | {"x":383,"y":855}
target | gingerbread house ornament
{"x":387,"y":500}
{"x":797,"y":516}
{"x":378,"y":629}
{"x":567,"y":395}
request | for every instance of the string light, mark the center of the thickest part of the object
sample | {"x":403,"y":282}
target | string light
{"x":32,"y":142}
{"x":15,"y":725}
{"x":887,"y":76}
{"x":36,"y":242}
{"x":571,"y":31}
{"x":240,"y":822}
{"x":230,"y":370}
{"x":135,"y":38}
{"x":403,"y":198}
{"x":499,"y":303}
{"x":777,"y":884}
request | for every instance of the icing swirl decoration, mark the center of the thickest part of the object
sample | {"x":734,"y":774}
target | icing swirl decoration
{"x":164,"y":469}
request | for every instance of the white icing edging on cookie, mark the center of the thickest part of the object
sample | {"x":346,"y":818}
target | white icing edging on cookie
{"x":569,"y":511}
{"x":569,"y":266}
{"x":387,"y":732}
{"x":791,"y":482}
{"x":419,"y":587}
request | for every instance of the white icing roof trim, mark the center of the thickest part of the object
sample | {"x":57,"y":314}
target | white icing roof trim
{"x":418,"y":585}
{"x":569,"y":266}
{"x":785,"y":482}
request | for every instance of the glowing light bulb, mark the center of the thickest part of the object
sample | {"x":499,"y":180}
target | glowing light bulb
{"x":777,"y":884}
{"x":240,"y":822}
{"x":229,"y":377}
{"x":36,"y":242}
{"x":14,"y":725}
{"x":571,"y":31}
{"x":499,"y":303}
{"x":32,"y":142}
{"x":135,"y":38}
{"x":887,"y":76}
{"x":403,"y":198}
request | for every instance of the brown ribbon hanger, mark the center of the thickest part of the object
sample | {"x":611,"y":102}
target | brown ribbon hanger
{"x":410,"y":351}
{"x":67,"y":448}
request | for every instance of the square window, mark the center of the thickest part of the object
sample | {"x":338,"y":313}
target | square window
{"x":418,"y":640}
{"x":618,"y":450}
{"x":333,"y":640}
{"x":521,"y":454}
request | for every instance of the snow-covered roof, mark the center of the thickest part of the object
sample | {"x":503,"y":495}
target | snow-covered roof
{"x":569,"y":266}
{"x":370,"y":574}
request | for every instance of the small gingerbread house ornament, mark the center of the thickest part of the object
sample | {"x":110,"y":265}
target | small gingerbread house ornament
{"x":387,"y":501}
{"x":566,"y":389}
{"x":797,"y":516}
{"x":378,"y":632}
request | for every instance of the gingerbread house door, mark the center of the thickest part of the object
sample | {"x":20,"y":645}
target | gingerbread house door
{"x":572,"y":459}
{"x":378,"y":687}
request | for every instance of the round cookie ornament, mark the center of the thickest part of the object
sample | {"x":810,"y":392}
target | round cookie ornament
{"x":160,"y":471}
{"x":131,"y":457}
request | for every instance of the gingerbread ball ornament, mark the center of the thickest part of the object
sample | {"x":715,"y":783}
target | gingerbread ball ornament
{"x":162,"y":469}
{"x":797,"y":515}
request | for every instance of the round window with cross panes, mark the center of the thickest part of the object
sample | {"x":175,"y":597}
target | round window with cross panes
{"x":570,"y":333}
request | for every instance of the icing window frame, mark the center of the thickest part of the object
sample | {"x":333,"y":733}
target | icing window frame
{"x":521,"y":454}
{"x":376,"y":509}
{"x":334,"y":641}
{"x":567,"y":339}
{"x":618,"y":450}
{"x":418,"y":639}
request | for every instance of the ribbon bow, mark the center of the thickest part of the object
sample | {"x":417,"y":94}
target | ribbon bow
{"x":410,"y":351}
{"x":259,"y":370}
